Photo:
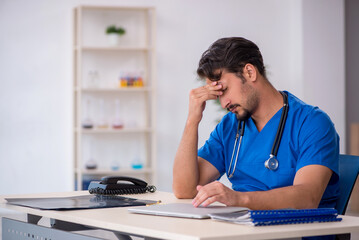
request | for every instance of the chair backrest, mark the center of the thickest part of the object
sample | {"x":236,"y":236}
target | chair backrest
{"x":348,"y":170}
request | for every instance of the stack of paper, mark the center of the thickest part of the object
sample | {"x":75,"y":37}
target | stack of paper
{"x":282,"y":216}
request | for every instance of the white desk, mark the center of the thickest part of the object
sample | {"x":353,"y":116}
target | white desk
{"x":120,"y":220}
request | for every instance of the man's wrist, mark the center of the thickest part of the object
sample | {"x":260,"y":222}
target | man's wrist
{"x":192,"y":122}
{"x":243,"y":199}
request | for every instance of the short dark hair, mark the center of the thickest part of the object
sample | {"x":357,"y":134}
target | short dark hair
{"x":230,"y":54}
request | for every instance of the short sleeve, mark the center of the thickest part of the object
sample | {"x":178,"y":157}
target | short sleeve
{"x":213,"y":149}
{"x":318,"y":141}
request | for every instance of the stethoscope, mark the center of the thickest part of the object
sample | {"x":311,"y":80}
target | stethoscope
{"x":272,"y":162}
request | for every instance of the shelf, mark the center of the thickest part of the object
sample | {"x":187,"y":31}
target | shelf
{"x":110,"y":48}
{"x":115,"y":8}
{"x":114,"y":131}
{"x":103,"y":98}
{"x":124,"y":89}
{"x":120,"y":172}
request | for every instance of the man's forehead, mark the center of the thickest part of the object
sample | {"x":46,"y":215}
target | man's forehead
{"x":208,"y":81}
{"x":216,"y":72}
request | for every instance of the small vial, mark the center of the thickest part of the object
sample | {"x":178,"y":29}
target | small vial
{"x":117,"y":122}
{"x":115,"y":165}
{"x":137,"y":163}
{"x":139,"y":82}
{"x":102,"y":121}
{"x":91,"y":164}
{"x":93,"y":79}
{"x":87,"y":122}
{"x":139,"y":79}
{"x":96,"y":79}
{"x":122,"y":80}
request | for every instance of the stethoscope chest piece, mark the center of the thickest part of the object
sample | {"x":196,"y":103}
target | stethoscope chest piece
{"x":271,"y":163}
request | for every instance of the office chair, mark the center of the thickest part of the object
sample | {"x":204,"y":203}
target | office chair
{"x":348,"y":170}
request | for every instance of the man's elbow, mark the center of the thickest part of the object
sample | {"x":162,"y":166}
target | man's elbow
{"x":311,"y":201}
{"x":308,"y":205}
{"x":183,"y":193}
{"x":315,"y":201}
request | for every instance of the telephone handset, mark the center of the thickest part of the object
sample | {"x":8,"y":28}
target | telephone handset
{"x":119,"y":185}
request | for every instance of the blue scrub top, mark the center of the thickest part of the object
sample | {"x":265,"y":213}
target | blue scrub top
{"x":309,"y":137}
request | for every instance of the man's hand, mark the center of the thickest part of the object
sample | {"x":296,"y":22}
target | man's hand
{"x":198,"y":98}
{"x":308,"y":187}
{"x":215,"y":192}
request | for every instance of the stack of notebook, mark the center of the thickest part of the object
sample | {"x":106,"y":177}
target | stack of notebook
{"x":282,"y":216}
{"x":241,"y":215}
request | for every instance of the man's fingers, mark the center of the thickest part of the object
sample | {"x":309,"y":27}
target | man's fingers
{"x":199,"y":96}
{"x":211,"y":87}
{"x":200,"y":198}
{"x":207,"y":92}
{"x":206,"y":195}
{"x":209,"y":201}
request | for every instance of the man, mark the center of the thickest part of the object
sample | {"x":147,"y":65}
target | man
{"x":305,"y":174}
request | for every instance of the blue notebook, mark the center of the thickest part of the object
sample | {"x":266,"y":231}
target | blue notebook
{"x":281,"y":216}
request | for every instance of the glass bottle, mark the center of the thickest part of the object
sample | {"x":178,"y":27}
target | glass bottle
{"x":93,"y":79}
{"x":91,"y":162}
{"x":117,"y":122}
{"x":115,"y":165}
{"x":137,"y":162}
{"x":102,"y":123}
{"x":87,"y":121}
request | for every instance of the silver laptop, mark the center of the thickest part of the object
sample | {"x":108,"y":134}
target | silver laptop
{"x":184,"y":210}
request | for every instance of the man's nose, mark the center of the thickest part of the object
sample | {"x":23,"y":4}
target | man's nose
{"x":224,"y":102}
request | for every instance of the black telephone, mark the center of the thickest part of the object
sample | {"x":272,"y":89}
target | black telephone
{"x":119,"y":185}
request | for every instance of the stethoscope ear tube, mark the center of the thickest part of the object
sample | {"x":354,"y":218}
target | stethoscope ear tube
{"x":272,"y":162}
{"x":234,"y":147}
{"x":280,"y":130}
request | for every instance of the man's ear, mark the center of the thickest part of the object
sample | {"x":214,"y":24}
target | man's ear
{"x":250,"y":72}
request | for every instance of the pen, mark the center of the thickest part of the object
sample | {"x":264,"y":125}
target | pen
{"x":149,"y":204}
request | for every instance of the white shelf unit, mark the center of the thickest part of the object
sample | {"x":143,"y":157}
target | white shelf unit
{"x":99,"y":98}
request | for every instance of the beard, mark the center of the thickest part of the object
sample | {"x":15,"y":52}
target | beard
{"x":243,"y":116}
{"x":245,"y":112}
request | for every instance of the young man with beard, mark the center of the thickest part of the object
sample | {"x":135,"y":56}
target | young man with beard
{"x":277,"y":151}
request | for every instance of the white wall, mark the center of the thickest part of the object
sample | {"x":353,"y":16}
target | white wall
{"x":324,"y":59}
{"x":35,"y":96}
{"x":36,"y":80}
